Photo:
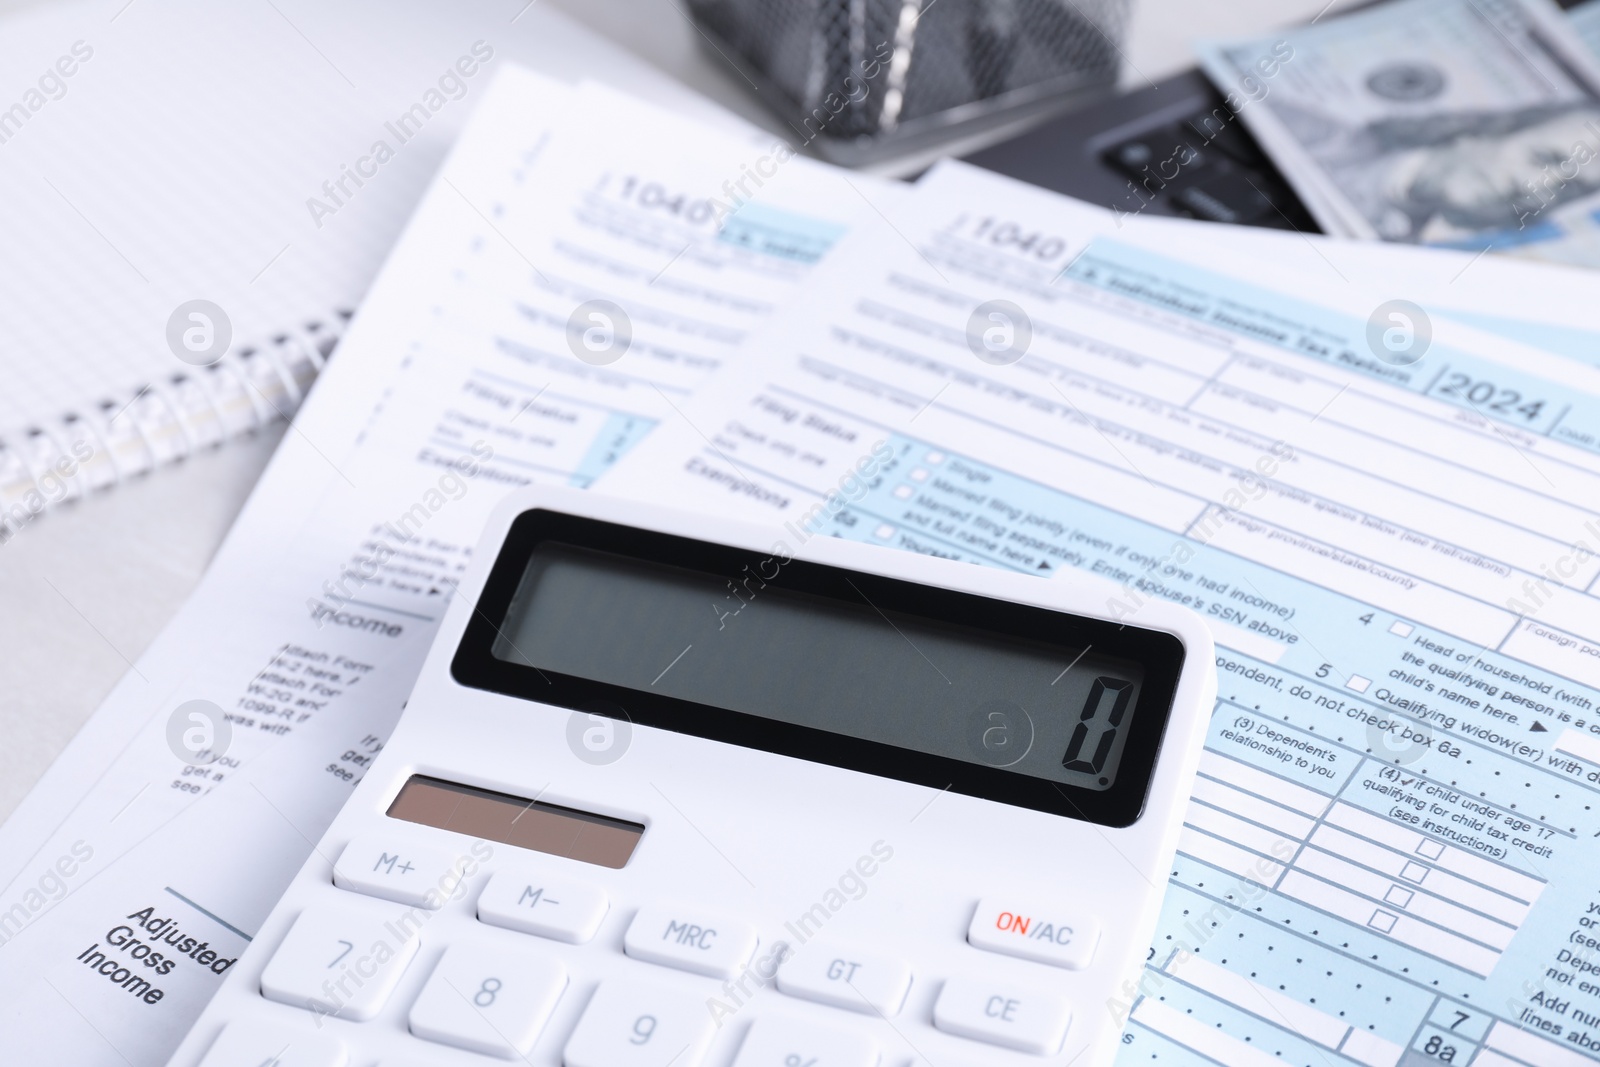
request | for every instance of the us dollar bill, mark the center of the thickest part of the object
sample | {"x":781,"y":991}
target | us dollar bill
{"x":1472,"y":123}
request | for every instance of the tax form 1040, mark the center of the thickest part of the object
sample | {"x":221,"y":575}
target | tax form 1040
{"x":1389,"y":521}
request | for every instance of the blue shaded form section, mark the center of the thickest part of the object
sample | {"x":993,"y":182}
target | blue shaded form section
{"x":782,"y":234}
{"x":942,"y":503}
{"x":1581,"y":345}
{"x":1495,"y":391}
{"x":616,"y":437}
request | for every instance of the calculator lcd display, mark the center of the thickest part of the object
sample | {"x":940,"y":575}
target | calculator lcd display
{"x":841,"y":664}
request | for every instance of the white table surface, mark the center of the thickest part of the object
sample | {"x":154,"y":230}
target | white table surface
{"x":84,"y":590}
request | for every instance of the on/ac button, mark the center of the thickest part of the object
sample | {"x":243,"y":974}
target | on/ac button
{"x":1045,"y":933}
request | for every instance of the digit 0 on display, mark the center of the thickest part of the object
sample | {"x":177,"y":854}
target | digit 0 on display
{"x":1096,"y":733}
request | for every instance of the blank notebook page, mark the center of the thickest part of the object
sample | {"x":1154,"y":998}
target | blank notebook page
{"x":177,"y":161}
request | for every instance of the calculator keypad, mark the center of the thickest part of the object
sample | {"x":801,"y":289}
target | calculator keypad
{"x":245,"y":1044}
{"x":1021,"y":1019}
{"x":494,"y":993}
{"x":775,"y":1042}
{"x":832,"y":973}
{"x":633,"y":1024}
{"x":342,"y":961}
{"x":489,"y":999}
{"x":525,"y":900}
{"x":394,"y":870}
{"x":713,"y":945}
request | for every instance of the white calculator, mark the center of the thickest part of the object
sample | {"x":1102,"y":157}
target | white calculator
{"x":673,"y":791}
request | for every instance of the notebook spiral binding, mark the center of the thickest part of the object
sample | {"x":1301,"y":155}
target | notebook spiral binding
{"x":165,"y":421}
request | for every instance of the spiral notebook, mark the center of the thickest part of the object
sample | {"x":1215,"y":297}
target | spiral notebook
{"x":262,"y":157}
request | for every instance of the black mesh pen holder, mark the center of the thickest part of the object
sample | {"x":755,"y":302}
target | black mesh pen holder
{"x":850,"y":76}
